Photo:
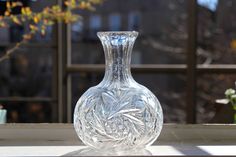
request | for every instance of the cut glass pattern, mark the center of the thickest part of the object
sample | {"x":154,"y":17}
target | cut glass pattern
{"x":118,"y":113}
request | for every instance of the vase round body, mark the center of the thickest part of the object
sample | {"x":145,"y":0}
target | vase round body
{"x":118,"y":113}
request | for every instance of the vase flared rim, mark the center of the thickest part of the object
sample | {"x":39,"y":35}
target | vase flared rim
{"x":107,"y":33}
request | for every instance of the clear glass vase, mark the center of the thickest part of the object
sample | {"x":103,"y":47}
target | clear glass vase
{"x":118,"y":113}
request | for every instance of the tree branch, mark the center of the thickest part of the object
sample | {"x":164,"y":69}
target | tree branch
{"x":10,"y":51}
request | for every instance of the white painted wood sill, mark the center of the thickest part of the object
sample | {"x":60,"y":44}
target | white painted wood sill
{"x":61,"y":140}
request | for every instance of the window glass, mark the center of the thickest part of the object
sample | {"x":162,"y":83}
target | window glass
{"x":115,"y":22}
{"x":77,"y":30}
{"x":162,"y":39}
{"x":136,"y":57}
{"x":94,"y":24}
{"x":216,"y":32}
{"x":28,"y":112}
{"x":28,"y":72}
{"x":210,"y":88}
{"x":134,"y":21}
{"x":163,"y":35}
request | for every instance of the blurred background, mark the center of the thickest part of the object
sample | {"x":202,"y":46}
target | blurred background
{"x":184,"y":54}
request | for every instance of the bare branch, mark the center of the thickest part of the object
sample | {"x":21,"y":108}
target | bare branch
{"x":10,"y":51}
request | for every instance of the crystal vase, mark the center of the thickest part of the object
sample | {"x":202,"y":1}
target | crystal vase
{"x":118,"y":113}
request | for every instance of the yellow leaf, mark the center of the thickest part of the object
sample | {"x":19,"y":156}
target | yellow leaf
{"x":233,"y":44}
{"x":3,"y":24}
{"x":36,"y":19}
{"x":73,"y":2}
{"x":70,"y":3}
{"x":26,"y":11}
{"x":16,"y":4}
{"x":16,"y":20}
{"x":67,"y":3}
{"x":56,"y":8}
{"x":95,"y":1}
{"x":27,"y":36}
{"x":82,"y":5}
{"x":7,"y":13}
{"x":85,"y":5}
{"x":8,"y":5}
{"x":33,"y":27}
{"x":23,"y":11}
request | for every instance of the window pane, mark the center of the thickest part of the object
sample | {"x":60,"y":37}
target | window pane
{"x":216,"y":32}
{"x":77,"y":30}
{"x":161,"y":24}
{"x":95,"y":25}
{"x":134,"y":20}
{"x":169,"y":89}
{"x":95,"y":22}
{"x":210,"y":88}
{"x":115,"y":22}
{"x":39,"y":5}
{"x":87,"y":53}
{"x":28,"y":73}
{"x":30,"y":112}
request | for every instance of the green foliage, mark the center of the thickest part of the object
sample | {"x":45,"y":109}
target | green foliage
{"x":231,"y":97}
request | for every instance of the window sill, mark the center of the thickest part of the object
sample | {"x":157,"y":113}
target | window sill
{"x":60,"y":139}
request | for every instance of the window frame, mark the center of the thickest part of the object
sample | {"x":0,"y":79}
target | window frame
{"x":62,"y":69}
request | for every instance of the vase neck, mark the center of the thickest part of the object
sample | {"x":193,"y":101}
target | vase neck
{"x":117,"y":48}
